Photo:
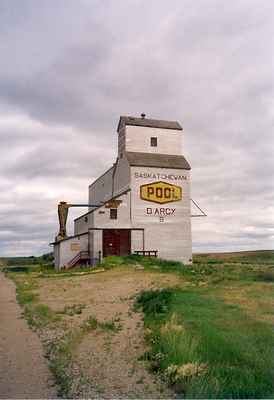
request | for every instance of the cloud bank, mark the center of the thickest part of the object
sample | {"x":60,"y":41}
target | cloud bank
{"x":70,"y":70}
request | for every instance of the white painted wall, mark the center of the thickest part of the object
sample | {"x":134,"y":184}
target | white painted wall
{"x":56,"y":249}
{"x":69,"y":248}
{"x":137,"y":240}
{"x":121,"y":176}
{"x":102,"y":215}
{"x":96,"y":243}
{"x":81,"y":225}
{"x":138,"y":140}
{"x":101,"y":189}
{"x":172,"y":237}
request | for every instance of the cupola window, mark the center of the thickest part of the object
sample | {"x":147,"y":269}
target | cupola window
{"x":153,"y":142}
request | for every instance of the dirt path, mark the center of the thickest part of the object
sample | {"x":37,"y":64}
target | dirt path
{"x":112,"y":360}
{"x":23,"y":369}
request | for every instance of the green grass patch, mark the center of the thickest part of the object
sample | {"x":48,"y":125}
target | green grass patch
{"x":265,"y":276}
{"x":206,"y":348}
{"x":211,"y":271}
{"x":111,"y":326}
{"x":244,"y":257}
{"x":92,"y":323}
{"x":59,"y":353}
{"x":24,"y":290}
{"x":31,"y":260}
{"x":147,"y":262}
{"x":40,"y":316}
{"x":72,"y":272}
{"x":37,"y":315}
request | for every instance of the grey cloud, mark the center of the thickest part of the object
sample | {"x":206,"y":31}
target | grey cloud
{"x":72,"y":69}
{"x":56,"y":162}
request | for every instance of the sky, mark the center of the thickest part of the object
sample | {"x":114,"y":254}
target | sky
{"x":69,"y":69}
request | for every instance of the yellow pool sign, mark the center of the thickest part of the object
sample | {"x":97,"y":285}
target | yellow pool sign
{"x":160,"y":192}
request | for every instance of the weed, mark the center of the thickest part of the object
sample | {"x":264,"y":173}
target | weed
{"x":59,"y":353}
{"x":24,"y":291}
{"x":40,"y":316}
{"x":90,"y":324}
{"x":140,"y":380}
{"x":110,"y":326}
{"x":75,"y":309}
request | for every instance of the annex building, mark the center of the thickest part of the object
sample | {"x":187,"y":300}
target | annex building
{"x":141,"y":203}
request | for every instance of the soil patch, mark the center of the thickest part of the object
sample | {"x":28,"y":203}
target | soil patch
{"x":110,"y":356}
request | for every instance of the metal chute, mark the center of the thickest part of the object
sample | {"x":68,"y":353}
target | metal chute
{"x":63,"y":207}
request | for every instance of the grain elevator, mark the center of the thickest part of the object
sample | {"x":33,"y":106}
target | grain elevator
{"x":141,"y":204}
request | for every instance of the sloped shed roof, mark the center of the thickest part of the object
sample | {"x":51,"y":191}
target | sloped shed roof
{"x":157,"y":160}
{"x":152,"y":123}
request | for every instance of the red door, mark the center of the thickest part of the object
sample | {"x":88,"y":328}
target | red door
{"x":116,"y":242}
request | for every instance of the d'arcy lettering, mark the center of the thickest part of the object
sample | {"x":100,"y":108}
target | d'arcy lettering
{"x":160,"y":211}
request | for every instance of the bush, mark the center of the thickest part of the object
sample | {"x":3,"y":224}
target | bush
{"x":265,"y":276}
{"x":154,"y":303}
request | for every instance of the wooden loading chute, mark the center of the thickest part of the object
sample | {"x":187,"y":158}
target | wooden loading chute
{"x":63,"y":207}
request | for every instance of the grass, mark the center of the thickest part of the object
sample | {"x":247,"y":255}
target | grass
{"x":40,"y":316}
{"x":24,"y":290}
{"x":260,"y":257}
{"x":211,"y":336}
{"x":72,"y":310}
{"x":92,"y":323}
{"x":209,"y":340}
{"x":31,"y":260}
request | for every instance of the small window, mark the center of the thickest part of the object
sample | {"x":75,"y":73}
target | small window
{"x":153,"y":141}
{"x":113,"y":213}
{"x":86,"y":219}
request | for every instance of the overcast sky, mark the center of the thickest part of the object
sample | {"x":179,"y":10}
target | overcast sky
{"x":69,"y":69}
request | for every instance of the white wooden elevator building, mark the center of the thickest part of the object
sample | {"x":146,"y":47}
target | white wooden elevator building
{"x":143,"y":199}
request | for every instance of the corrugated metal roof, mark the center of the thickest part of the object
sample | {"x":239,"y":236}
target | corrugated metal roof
{"x":157,"y":160}
{"x":152,"y":123}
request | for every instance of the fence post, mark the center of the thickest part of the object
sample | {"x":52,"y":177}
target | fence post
{"x":100,"y":256}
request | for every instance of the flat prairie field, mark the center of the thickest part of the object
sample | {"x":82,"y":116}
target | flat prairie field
{"x":148,"y":328}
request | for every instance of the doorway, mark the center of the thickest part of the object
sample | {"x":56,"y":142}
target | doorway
{"x":116,"y":242}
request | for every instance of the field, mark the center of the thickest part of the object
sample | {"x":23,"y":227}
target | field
{"x":148,"y":328}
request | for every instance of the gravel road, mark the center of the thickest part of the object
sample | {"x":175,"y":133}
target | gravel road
{"x":23,"y":369}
